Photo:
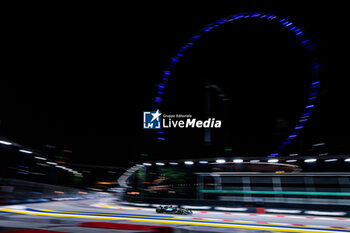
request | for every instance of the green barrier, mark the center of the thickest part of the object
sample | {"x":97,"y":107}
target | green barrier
{"x":277,"y":192}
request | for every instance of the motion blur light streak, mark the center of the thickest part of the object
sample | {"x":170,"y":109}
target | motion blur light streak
{"x":5,"y":142}
{"x":283,"y":211}
{"x":325,"y":213}
{"x":51,"y":163}
{"x":220,"y":161}
{"x":259,"y":74}
{"x":310,"y":160}
{"x":26,"y":151}
{"x":255,"y":161}
{"x":331,"y":160}
{"x":238,"y":161}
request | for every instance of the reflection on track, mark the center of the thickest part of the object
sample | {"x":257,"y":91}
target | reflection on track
{"x":174,"y":220}
{"x":139,"y":215}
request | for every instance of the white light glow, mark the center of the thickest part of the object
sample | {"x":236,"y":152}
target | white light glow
{"x":331,"y":160}
{"x":310,"y":160}
{"x":272,"y":161}
{"x":220,"y":161}
{"x":283,"y":211}
{"x":319,"y":144}
{"x":188,"y":162}
{"x":325,"y":213}
{"x":5,"y":143}
{"x":51,"y":163}
{"x":26,"y":151}
{"x":255,"y":161}
{"x":196,"y":207}
{"x":238,"y":161}
{"x":230,"y":209}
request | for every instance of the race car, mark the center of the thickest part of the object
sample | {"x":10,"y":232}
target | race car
{"x":169,"y":209}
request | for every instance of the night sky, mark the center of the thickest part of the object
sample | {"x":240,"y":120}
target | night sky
{"x":80,"y":77}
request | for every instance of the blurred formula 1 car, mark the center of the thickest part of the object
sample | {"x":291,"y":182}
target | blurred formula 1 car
{"x":169,"y":209}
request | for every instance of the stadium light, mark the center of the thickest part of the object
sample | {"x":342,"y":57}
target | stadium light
{"x":41,"y":158}
{"x":174,"y":163}
{"x":291,"y":161}
{"x":188,"y":162}
{"x":272,"y":161}
{"x":310,"y":160}
{"x":160,"y":164}
{"x":331,"y":160}
{"x":147,"y":164}
{"x":254,"y":161}
{"x":220,"y":161}
{"x":347,"y":160}
{"x":203,"y":162}
{"x":238,"y":161}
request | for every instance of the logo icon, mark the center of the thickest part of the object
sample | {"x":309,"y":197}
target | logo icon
{"x":151,"y":120}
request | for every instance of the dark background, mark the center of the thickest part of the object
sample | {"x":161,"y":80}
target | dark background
{"x":79,"y":78}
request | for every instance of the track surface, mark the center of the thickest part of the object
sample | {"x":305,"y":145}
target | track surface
{"x":65,"y":216}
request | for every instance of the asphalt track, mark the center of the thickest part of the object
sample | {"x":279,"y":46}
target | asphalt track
{"x":65,"y":215}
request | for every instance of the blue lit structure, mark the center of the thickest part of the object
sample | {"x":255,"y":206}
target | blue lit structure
{"x":284,"y":22}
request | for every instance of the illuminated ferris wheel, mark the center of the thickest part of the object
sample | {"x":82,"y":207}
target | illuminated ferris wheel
{"x":285,"y":23}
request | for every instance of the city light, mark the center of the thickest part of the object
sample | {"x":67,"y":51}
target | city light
{"x":220,"y":161}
